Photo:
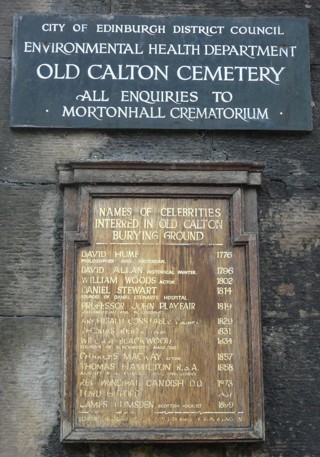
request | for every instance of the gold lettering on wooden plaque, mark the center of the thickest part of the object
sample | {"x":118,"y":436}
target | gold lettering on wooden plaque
{"x":161,"y":335}
{"x":161,"y":316}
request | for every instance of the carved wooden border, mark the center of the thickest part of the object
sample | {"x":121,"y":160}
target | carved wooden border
{"x":83,"y":181}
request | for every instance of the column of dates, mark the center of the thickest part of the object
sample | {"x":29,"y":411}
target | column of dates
{"x":225,"y":337}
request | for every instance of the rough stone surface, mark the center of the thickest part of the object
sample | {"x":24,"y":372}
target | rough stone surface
{"x":29,"y":383}
{"x":31,"y":251}
{"x":31,"y":260}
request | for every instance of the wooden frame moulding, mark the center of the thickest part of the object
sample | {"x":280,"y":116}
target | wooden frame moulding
{"x":234,"y":185}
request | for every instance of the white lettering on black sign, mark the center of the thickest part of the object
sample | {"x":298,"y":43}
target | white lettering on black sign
{"x":157,"y":72}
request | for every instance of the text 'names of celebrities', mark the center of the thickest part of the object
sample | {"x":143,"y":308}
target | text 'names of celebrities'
{"x":161,"y":315}
{"x":148,"y":72}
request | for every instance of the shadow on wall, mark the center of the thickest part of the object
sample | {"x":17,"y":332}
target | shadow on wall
{"x":54,"y":448}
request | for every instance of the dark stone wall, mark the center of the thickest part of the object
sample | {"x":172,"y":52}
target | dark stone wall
{"x":31,"y":251}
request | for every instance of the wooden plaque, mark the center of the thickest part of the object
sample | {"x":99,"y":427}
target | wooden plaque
{"x":161,"y":302}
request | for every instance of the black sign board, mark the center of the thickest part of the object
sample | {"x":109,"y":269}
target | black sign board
{"x":160,"y":73}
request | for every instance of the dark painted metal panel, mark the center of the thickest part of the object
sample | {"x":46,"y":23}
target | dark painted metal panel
{"x":126,"y":72}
